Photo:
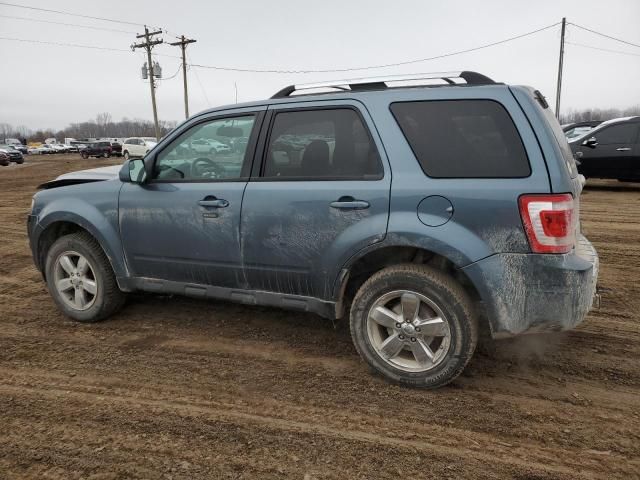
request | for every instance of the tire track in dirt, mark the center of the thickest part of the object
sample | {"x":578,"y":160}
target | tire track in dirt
{"x":522,"y":455}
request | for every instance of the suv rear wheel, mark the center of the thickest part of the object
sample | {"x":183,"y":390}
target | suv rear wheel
{"x":80,"y":279}
{"x":414,"y":325}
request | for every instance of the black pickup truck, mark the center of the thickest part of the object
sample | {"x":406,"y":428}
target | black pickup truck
{"x":97,"y":149}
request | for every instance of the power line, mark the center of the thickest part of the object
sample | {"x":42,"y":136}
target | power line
{"x":371,"y":67}
{"x":128,"y":32}
{"x":284,"y":71}
{"x":602,"y":49}
{"x":174,"y":75}
{"x":195,"y":72}
{"x":605,"y":35}
{"x":124,"y":22}
{"x":61,"y":44}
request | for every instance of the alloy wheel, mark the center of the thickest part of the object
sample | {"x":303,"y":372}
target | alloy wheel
{"x":408,"y":331}
{"x":75,"y":280}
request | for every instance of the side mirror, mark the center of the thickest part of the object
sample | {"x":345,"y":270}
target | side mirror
{"x":133,"y":171}
{"x":590,"y":142}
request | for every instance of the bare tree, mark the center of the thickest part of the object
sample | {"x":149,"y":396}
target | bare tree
{"x":5,"y":131}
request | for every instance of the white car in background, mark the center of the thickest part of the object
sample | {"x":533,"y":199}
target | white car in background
{"x":137,"y":147}
{"x":42,"y":150}
{"x":209,"y":146}
{"x":59,"y":148}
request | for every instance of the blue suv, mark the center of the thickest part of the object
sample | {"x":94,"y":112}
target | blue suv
{"x":426,"y":214}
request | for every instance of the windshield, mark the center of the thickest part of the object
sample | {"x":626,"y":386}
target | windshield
{"x":577,"y":131}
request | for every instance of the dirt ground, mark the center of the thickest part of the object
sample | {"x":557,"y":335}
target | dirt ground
{"x":186,"y":389}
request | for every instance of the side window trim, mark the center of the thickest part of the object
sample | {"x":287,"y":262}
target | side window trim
{"x":249,"y":153}
{"x":257,"y":173}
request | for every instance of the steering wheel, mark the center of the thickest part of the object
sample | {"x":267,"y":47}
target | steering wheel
{"x":204,"y":167}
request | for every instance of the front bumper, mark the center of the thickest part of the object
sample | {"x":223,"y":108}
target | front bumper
{"x":33,"y":231}
{"x":526,"y":293}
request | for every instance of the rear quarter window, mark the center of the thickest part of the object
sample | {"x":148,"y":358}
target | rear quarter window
{"x":463,"y":138}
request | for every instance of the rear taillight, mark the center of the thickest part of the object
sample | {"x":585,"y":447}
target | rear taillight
{"x":549,"y":221}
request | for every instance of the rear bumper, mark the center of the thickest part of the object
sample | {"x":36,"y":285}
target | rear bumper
{"x":526,"y":293}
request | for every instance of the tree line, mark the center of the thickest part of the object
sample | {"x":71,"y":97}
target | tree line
{"x":102,"y":126}
{"x":588,"y":114}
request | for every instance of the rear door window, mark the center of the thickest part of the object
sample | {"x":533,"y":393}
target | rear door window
{"x":321,"y":144}
{"x":463,"y":138}
{"x":625,"y":133}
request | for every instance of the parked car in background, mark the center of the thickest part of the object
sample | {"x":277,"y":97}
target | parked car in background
{"x":116,"y":149}
{"x":20,"y":147}
{"x":611,"y":150}
{"x":210,"y":146}
{"x":97,"y":149}
{"x":4,"y":159}
{"x":43,"y":149}
{"x":59,"y":147}
{"x":418,"y":261}
{"x":574,"y":130}
{"x":14,"y":154}
{"x":137,"y":147}
{"x":238,"y":143}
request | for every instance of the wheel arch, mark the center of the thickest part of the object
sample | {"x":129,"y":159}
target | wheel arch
{"x":59,"y":224}
{"x":370,"y":261}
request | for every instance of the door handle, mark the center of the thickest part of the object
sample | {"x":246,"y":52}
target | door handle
{"x":623,"y":149}
{"x":349,"y":203}
{"x":211,"y":201}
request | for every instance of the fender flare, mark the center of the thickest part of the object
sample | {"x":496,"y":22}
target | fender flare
{"x":102,"y":230}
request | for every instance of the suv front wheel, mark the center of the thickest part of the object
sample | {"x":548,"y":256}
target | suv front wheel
{"x":126,"y":155}
{"x":415,"y":325}
{"x":80,"y":279}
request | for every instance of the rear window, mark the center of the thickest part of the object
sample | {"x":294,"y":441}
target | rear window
{"x":463,"y":138}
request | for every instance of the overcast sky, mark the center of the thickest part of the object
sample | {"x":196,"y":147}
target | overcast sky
{"x":51,"y":86}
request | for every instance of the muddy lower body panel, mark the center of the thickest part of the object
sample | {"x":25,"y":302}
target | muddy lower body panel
{"x":527,"y":293}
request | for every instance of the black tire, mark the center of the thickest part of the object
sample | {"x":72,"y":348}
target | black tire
{"x":126,"y":155}
{"x":443,"y":291}
{"x":108,"y":298}
{"x":84,"y":155}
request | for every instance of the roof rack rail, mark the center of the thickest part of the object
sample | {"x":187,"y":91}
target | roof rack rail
{"x":381,"y":83}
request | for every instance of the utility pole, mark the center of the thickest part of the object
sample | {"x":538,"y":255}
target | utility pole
{"x":560,"y":61}
{"x":148,"y":44}
{"x":183,"y":45}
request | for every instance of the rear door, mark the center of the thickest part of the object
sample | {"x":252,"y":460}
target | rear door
{"x":612,"y":156}
{"x":633,"y":170}
{"x":318,"y":196}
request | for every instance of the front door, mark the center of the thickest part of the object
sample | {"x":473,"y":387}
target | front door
{"x":320,"y":196}
{"x":183,"y":224}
